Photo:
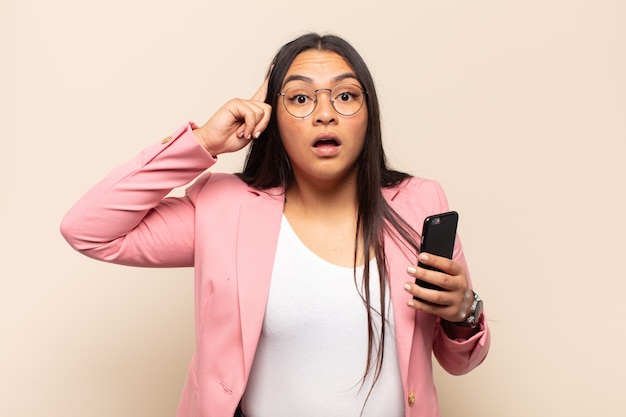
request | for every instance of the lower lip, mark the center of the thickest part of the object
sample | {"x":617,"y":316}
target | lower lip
{"x":326,"y":150}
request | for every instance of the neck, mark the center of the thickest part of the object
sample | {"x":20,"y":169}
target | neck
{"x":325,"y":219}
{"x":326,"y":199}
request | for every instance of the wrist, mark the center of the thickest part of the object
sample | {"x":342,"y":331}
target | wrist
{"x":474,"y":314}
{"x":455,"y":332}
{"x":197,"y":133}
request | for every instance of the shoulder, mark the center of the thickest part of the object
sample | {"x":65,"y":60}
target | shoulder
{"x":222,"y":180}
{"x":416,"y":188}
{"x":211,"y":180}
{"x":417,"y":196}
{"x":228,"y":187}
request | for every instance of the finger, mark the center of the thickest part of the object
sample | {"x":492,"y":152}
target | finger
{"x":440,"y":263}
{"x":429,"y":278}
{"x":255,"y":119}
{"x":441,"y":303}
{"x":261,"y":93}
{"x":453,"y":312}
{"x":449,"y":313}
{"x":429,"y":296}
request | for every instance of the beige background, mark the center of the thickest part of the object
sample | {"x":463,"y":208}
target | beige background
{"x":517,"y":107}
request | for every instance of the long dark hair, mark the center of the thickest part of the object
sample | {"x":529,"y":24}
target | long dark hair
{"x":267,"y":165}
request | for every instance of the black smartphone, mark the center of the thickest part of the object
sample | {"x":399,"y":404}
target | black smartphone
{"x":438,"y":236}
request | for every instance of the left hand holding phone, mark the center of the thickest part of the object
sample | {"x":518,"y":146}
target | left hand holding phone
{"x":453,"y":303}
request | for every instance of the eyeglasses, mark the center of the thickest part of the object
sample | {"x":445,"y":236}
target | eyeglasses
{"x":346,"y":99}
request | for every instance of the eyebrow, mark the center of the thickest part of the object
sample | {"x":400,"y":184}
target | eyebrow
{"x":308,"y":80}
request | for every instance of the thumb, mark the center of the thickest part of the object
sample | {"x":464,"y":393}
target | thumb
{"x":261,"y":93}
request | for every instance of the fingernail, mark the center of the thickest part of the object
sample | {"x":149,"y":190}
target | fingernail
{"x":257,"y":134}
{"x":407,"y":287}
{"x":423,"y":257}
{"x":410,"y":303}
{"x":411,"y":270}
{"x":240,"y":135}
{"x":249,"y":135}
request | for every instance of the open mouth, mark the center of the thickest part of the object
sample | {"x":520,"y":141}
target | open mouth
{"x":326,"y":142}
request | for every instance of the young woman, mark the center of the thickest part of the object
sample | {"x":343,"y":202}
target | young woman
{"x":305,"y":262}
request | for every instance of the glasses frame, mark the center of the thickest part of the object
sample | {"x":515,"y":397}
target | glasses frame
{"x":330,"y":97}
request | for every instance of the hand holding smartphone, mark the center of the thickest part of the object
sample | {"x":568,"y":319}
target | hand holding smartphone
{"x":438,"y":236}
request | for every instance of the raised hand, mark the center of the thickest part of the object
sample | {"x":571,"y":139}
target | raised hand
{"x":236,"y":123}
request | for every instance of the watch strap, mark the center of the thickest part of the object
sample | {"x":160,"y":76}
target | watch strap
{"x":474,"y":315}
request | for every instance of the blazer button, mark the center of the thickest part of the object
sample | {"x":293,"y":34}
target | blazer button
{"x":165,"y":140}
{"x":411,"y":398}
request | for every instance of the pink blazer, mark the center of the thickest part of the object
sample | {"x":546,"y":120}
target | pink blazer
{"x":228,"y":232}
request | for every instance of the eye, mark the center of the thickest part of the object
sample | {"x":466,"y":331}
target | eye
{"x":299,"y":96}
{"x":345,"y":96}
{"x":300,"y":99}
{"x":346,"y":93}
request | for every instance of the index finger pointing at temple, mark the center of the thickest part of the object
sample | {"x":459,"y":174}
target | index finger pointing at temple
{"x":261,"y":93}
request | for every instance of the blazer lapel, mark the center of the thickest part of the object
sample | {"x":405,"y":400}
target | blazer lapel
{"x":257,"y":237}
{"x":398,"y":259}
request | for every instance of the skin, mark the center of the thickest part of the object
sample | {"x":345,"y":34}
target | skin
{"x":321,"y":205}
{"x":315,"y":170}
{"x":322,"y":201}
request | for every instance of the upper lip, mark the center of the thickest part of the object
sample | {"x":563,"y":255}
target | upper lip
{"x":326,"y":137}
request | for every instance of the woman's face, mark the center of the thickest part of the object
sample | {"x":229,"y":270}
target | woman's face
{"x":323,"y":147}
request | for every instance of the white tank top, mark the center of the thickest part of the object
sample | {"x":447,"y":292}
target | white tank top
{"x":312,"y":352}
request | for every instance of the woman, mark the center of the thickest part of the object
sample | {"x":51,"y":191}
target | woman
{"x":305,"y":262}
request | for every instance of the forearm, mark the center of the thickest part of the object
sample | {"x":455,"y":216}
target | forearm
{"x":119,"y":203}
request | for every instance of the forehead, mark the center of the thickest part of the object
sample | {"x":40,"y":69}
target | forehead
{"x":314,"y":66}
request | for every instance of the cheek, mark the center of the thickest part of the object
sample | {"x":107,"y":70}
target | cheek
{"x":285,"y":122}
{"x":360,"y":128}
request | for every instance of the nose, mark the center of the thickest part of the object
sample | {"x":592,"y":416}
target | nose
{"x":324,"y":112}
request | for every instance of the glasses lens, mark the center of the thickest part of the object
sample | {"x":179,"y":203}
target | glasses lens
{"x":347,"y":99}
{"x":299,"y":101}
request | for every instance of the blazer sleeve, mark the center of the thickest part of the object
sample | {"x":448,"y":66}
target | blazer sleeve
{"x":456,"y":356}
{"x":459,"y":356}
{"x":127,"y":218}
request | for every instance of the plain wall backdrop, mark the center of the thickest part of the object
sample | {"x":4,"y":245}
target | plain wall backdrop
{"x":517,"y":107}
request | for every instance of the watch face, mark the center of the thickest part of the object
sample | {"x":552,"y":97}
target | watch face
{"x":479,"y":310}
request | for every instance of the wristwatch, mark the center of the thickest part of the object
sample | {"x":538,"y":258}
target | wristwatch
{"x":476,"y":310}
